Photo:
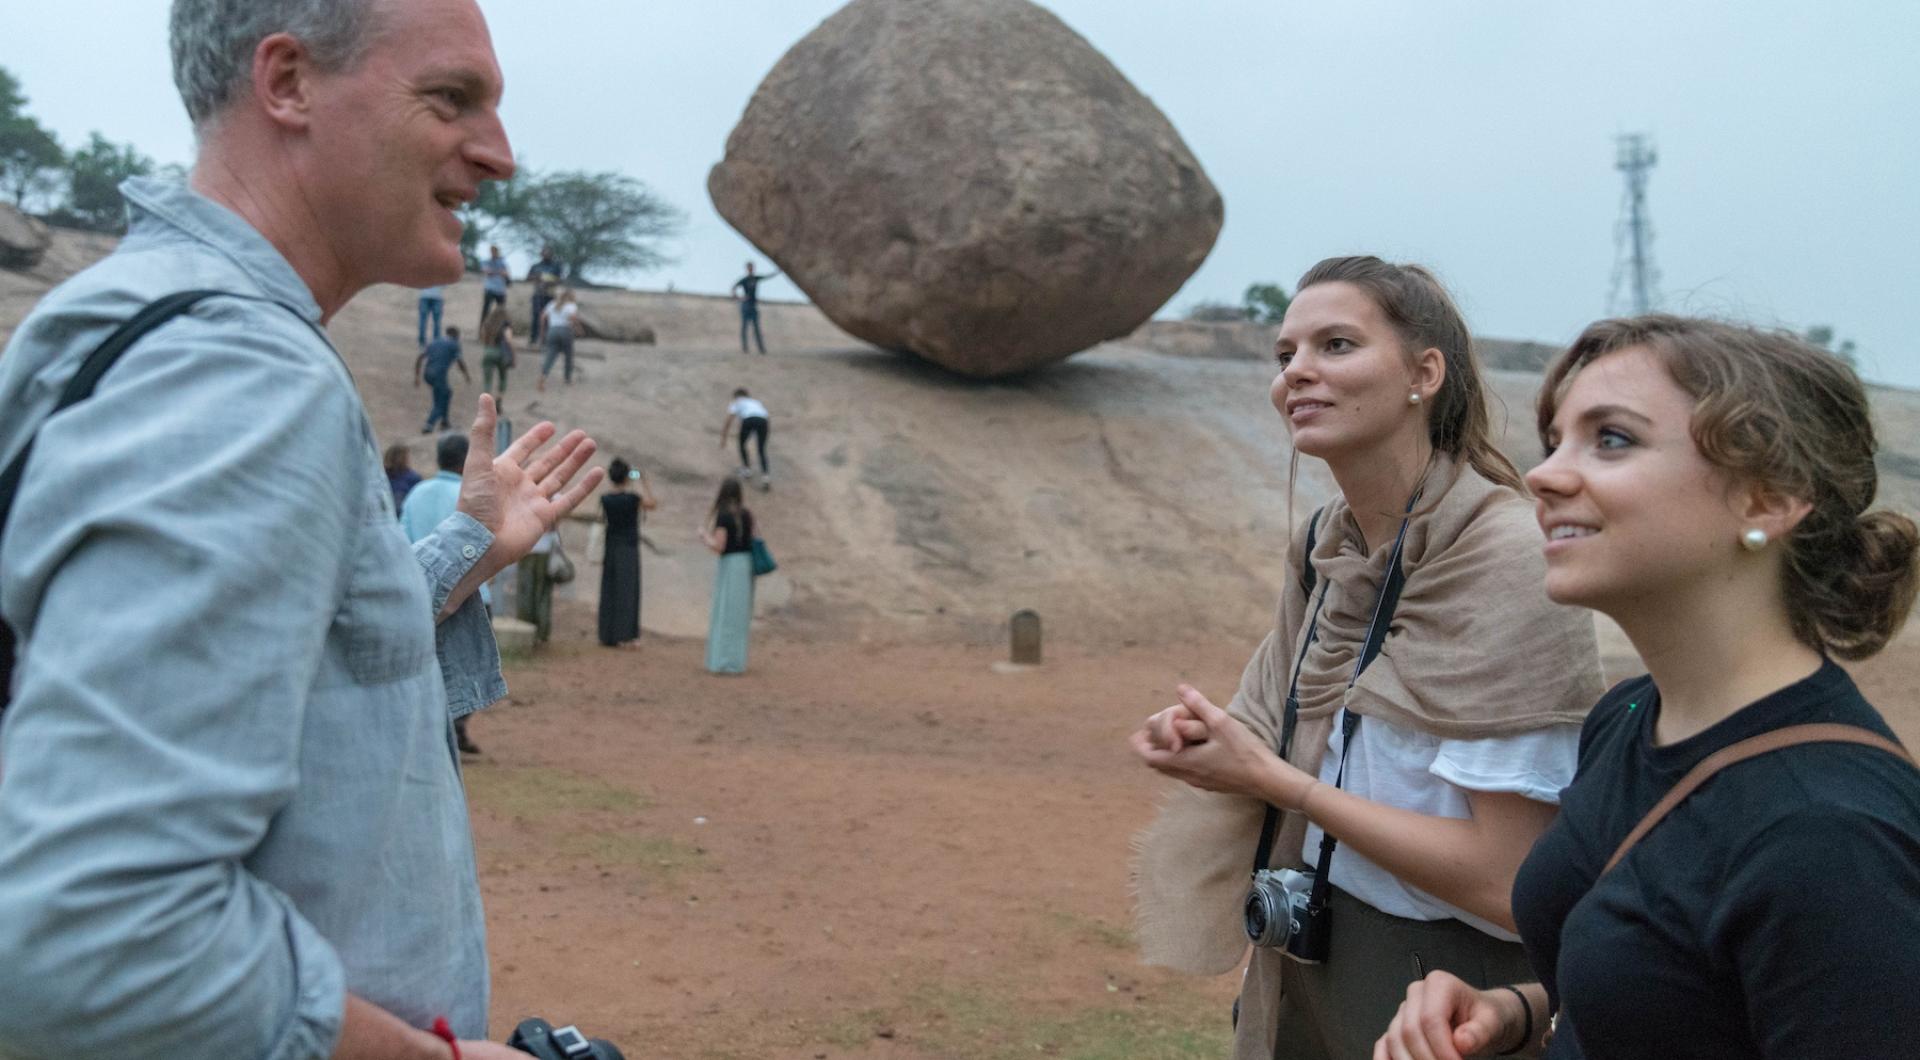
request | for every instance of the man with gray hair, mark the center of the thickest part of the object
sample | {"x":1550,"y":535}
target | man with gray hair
{"x":231,"y":817}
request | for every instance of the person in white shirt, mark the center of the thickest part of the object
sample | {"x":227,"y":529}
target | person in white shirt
{"x":493,"y":289}
{"x":558,"y":319}
{"x":752,"y":416}
{"x":1433,"y":755}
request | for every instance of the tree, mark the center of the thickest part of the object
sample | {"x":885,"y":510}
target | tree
{"x":1215,"y":312}
{"x":1266,"y":302}
{"x":1821,"y":335}
{"x":30,"y":158}
{"x":500,"y":203}
{"x":94,"y":173}
{"x":594,"y":221}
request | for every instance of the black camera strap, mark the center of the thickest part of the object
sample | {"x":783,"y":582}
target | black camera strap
{"x":81,"y":387}
{"x":1383,"y":608}
{"x":1291,"y":716}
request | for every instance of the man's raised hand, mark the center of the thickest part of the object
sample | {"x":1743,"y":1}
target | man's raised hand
{"x":524,"y":492}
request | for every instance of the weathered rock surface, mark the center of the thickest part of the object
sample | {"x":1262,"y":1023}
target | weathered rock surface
{"x":23,"y":240}
{"x":617,"y":323}
{"x":966,"y":180}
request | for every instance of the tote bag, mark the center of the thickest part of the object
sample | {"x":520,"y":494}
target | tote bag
{"x":763,"y":558}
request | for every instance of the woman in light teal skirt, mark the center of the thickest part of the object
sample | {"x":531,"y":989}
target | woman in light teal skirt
{"x":729,"y":532}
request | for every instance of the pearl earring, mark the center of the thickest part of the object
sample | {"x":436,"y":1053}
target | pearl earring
{"x":1413,"y":398}
{"x":1754,"y":539}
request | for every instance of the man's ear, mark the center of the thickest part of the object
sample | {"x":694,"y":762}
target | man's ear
{"x":283,"y":80}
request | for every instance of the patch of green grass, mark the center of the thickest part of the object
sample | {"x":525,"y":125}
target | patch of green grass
{"x":1090,"y":929}
{"x":1132,"y":1034}
{"x":541,"y":793}
{"x":854,"y":1029}
{"x":559,"y":652}
{"x":990,"y":1024}
{"x":656,"y":855}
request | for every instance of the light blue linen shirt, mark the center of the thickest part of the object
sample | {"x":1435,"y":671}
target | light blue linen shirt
{"x":228,"y":788}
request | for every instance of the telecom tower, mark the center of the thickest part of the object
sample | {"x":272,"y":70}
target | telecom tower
{"x":1633,"y":236}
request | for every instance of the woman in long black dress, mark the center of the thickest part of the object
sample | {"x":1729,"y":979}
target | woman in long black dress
{"x":624,"y":510}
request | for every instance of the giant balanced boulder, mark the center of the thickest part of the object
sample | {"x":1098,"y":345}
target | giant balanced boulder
{"x":968,"y":181}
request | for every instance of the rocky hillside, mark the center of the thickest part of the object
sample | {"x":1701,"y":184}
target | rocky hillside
{"x":1135,"y":494}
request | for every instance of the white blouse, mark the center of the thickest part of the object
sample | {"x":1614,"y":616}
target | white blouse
{"x":1411,"y":770}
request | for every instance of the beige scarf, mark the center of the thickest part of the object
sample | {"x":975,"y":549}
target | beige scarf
{"x":1475,"y":651}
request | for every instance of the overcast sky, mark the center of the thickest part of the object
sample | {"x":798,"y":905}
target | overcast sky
{"x":1476,"y":136}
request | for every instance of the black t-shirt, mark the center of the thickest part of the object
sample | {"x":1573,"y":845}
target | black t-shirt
{"x":544,"y":275}
{"x":749,"y":288}
{"x":1775,"y":913}
{"x":739,"y":528}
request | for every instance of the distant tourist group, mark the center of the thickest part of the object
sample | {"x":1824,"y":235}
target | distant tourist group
{"x":553,"y":315}
{"x":728,"y":530}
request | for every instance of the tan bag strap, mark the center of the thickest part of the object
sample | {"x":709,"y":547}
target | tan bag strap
{"x":1764,"y":743}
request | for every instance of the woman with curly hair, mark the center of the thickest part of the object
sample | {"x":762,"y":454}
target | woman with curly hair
{"x":1708,"y":486}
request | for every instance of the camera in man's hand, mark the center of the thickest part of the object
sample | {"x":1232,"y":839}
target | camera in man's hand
{"x":1280,"y":914}
{"x":542,"y":1039}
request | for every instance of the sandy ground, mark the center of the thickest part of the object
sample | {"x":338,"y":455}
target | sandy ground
{"x":850,"y":851}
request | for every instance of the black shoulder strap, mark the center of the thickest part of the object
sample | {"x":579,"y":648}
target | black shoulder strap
{"x":1383,"y":611}
{"x":78,"y":389}
{"x":1291,"y":715}
{"x":1383,"y":607}
{"x":1307,"y":574}
{"x":1308,"y":579}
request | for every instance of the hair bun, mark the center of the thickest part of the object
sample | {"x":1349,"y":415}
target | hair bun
{"x":1876,"y":585}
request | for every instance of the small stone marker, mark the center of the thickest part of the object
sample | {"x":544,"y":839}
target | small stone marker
{"x":514,"y":636}
{"x":1026,"y":638}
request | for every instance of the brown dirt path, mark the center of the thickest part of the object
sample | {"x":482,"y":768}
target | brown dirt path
{"x":853,"y":851}
{"x":903,"y":853}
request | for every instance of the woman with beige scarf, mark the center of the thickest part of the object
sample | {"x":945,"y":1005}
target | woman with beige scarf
{"x":1471,"y":708}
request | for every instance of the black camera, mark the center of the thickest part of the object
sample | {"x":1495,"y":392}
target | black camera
{"x":547,"y":1042}
{"x":1280,"y":914}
